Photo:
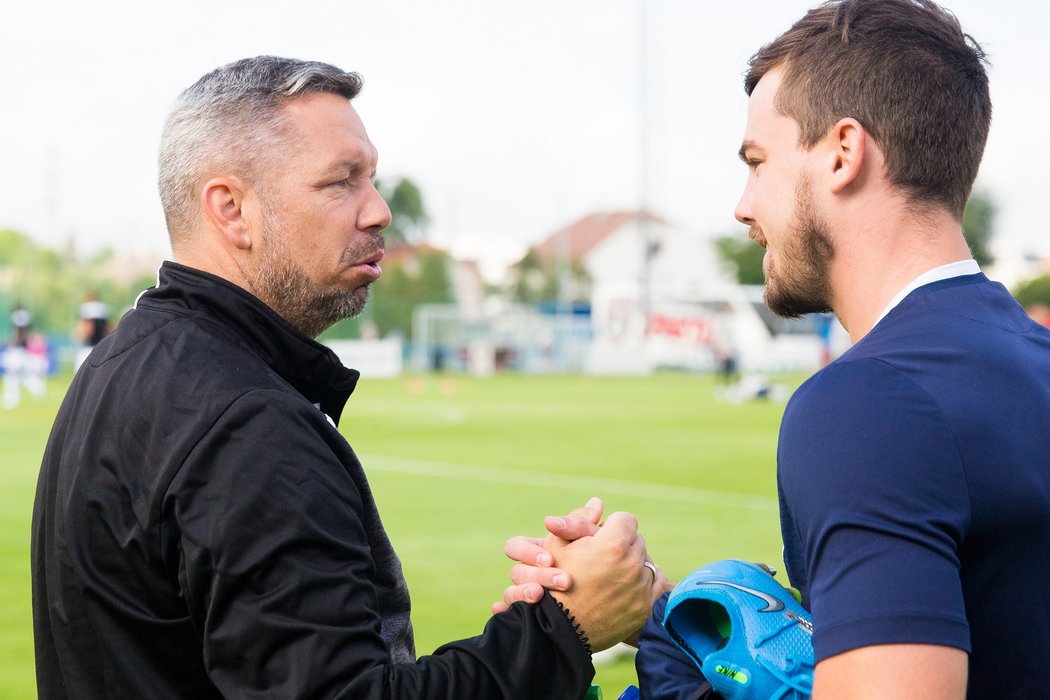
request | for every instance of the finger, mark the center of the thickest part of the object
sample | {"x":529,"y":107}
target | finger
{"x":528,"y":550}
{"x":639,"y":543}
{"x":527,"y":593}
{"x":570,"y":527}
{"x":499,"y":607}
{"x":619,"y":537}
{"x":661,"y":585}
{"x":581,"y":522}
{"x":620,"y":525}
{"x":591,"y":511}
{"x":555,"y":579}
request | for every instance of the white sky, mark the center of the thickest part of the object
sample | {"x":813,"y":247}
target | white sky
{"x":514,"y":118}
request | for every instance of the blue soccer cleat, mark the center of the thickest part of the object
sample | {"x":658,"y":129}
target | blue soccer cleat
{"x":750,"y":637}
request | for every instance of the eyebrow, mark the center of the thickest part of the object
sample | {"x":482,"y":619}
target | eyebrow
{"x":355,"y":166}
{"x":744,"y":148}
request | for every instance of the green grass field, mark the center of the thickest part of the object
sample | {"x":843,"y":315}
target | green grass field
{"x":458,"y":465}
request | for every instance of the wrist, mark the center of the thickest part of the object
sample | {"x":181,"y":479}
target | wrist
{"x":576,"y":625}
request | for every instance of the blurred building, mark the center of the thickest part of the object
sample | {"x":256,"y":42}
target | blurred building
{"x":612,"y":293}
{"x":1015,"y":262}
{"x":661,"y":298}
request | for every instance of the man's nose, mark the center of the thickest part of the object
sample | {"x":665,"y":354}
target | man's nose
{"x":375,"y":214}
{"x":743,"y":210}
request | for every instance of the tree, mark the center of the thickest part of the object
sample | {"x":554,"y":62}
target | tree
{"x":52,"y":284}
{"x":1034,"y":292}
{"x":531,"y":285}
{"x":979,"y":226}
{"x":541,"y":281}
{"x":422,"y":279}
{"x":408,"y":214}
{"x":14,"y":247}
{"x":744,"y":256}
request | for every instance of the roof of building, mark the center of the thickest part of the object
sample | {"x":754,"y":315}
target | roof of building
{"x":580,"y":237}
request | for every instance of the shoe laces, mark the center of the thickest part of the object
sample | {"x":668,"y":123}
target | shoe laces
{"x":796,"y":679}
{"x":788,"y":623}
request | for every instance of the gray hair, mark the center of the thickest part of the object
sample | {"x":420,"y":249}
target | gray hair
{"x":229,"y":120}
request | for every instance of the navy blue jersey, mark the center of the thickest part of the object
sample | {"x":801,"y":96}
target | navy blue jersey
{"x":914,"y":476}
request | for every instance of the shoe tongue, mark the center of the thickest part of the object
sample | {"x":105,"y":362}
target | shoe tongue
{"x":720,"y":618}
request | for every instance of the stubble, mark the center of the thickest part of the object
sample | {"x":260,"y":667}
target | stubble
{"x":287,"y":288}
{"x":800,"y":284}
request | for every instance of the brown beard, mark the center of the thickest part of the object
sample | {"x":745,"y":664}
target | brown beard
{"x":802,"y":285}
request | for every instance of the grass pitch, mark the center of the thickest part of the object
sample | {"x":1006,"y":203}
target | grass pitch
{"x":458,"y":465}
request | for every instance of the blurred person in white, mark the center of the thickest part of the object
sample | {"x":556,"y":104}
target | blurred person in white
{"x":24,"y":361}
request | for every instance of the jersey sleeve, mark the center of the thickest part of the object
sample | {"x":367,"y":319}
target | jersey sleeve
{"x":664,"y":670}
{"x":875,"y":504}
{"x":274,"y":564}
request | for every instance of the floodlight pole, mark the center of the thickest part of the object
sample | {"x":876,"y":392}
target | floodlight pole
{"x":645,"y":300}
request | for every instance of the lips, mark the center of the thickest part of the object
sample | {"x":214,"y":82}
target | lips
{"x":755,"y":234}
{"x":374,"y":258}
{"x":370,"y":265}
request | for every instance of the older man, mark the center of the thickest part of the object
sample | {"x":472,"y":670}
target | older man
{"x":201,"y":528}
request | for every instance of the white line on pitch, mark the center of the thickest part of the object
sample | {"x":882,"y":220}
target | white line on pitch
{"x":574,"y":482}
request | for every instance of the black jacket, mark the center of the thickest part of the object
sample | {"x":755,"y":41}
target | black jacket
{"x":201,"y":529}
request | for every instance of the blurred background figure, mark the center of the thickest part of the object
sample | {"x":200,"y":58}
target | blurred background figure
{"x":728,"y":371}
{"x":25,"y":359}
{"x":92,"y":326}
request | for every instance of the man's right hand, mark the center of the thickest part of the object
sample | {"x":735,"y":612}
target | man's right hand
{"x":595,"y":571}
{"x":534,"y":570}
{"x":612,"y":588}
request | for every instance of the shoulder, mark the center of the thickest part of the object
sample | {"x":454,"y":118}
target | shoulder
{"x":271,"y":446}
{"x":275,"y":415}
{"x":863,"y":427}
{"x":190,"y":389}
{"x":973,"y":307}
{"x":853,"y":389}
{"x":189,"y":354}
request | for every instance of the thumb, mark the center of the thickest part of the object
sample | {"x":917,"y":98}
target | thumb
{"x":590,"y":511}
{"x":581,"y":522}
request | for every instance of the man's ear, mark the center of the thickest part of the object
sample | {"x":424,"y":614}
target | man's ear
{"x":847,"y":141}
{"x":223,"y":201}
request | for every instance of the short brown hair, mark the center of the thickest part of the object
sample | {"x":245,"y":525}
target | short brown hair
{"x":906,"y":71}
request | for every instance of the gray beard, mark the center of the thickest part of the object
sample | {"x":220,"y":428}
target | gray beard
{"x":283,"y":285}
{"x":287,"y":290}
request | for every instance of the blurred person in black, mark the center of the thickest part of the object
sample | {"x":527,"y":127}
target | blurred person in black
{"x":92,"y":325}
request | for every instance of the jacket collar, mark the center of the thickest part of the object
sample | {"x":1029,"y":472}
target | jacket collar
{"x":313,"y":369}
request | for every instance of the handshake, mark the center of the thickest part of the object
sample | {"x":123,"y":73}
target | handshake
{"x":599,"y":571}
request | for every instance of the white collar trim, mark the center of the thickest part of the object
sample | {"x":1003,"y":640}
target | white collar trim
{"x":944,"y":272}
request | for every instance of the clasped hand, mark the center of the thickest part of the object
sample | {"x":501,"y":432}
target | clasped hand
{"x":599,"y":571}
